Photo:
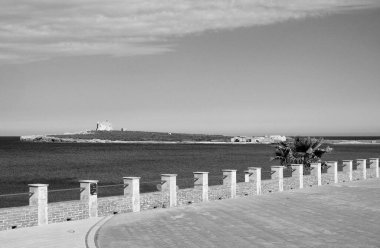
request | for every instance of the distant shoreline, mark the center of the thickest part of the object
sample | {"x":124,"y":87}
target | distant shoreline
{"x":53,"y":139}
{"x":352,"y":142}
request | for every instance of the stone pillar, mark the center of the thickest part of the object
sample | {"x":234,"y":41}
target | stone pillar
{"x":316,"y":172}
{"x":278,"y":174}
{"x":255,"y":176}
{"x":333,"y":169}
{"x":39,"y":198}
{"x":246,"y":176}
{"x":201,"y":183}
{"x":169,"y":185}
{"x":362,"y":165}
{"x":229,"y":180}
{"x":374,"y":163}
{"x":347,"y":168}
{"x":297,"y":172}
{"x":89,"y":194}
{"x":132,"y":190}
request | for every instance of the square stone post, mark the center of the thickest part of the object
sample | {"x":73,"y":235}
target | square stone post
{"x":362,"y":165}
{"x":169,"y":185}
{"x":255,"y":176}
{"x":333,"y":169}
{"x":374,"y":163}
{"x":89,"y":194}
{"x":316,"y":172}
{"x":297,"y":172}
{"x":278,"y":174}
{"x":229,"y":180}
{"x":39,"y":198}
{"x":246,"y":176}
{"x":132,"y":190}
{"x":347,"y":168}
{"x":201,"y":183}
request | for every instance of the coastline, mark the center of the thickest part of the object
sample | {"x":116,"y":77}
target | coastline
{"x":52,"y":139}
{"x":352,"y":142}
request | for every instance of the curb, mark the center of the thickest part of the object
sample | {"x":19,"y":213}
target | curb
{"x":91,"y":234}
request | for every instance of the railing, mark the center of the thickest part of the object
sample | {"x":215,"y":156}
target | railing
{"x":14,"y":200}
{"x":110,"y":189}
{"x":69,"y":194}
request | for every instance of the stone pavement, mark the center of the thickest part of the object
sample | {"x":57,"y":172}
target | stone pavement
{"x":341,"y":215}
{"x":72,"y":234}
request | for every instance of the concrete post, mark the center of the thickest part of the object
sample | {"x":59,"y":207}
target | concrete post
{"x":333,"y":169}
{"x":89,"y":194}
{"x":278,"y":173}
{"x":316,"y":172}
{"x":132,"y":190}
{"x":39,"y":198}
{"x":362,"y":165}
{"x":255,"y":176}
{"x":169,"y":185}
{"x":347,"y":168}
{"x":201,"y":183}
{"x":229,"y":180}
{"x":246,"y":176}
{"x":297,"y":172}
{"x":374,"y":163}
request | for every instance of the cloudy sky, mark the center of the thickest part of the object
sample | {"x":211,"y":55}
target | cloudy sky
{"x":232,"y":67}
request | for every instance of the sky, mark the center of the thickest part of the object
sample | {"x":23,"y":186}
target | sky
{"x":236,"y":67}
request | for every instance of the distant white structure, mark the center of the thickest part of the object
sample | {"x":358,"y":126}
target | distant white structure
{"x":259,"y":140}
{"x":238,"y":139}
{"x":103,"y":126}
{"x":242,"y":139}
{"x":278,"y":138}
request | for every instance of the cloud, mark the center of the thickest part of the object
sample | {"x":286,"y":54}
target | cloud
{"x":32,"y":30}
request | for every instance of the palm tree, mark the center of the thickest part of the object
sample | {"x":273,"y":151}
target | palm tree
{"x":300,"y":150}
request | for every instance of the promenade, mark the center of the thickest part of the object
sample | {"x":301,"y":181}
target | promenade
{"x":339,"y":215}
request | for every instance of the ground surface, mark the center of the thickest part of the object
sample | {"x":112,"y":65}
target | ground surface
{"x":72,"y":234}
{"x":343,"y":215}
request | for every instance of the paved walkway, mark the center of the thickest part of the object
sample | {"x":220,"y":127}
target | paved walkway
{"x":70,"y":234}
{"x":343,"y":215}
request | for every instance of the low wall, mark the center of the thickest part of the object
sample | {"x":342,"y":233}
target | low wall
{"x":114,"y":205}
{"x":291,"y":183}
{"x":371,"y":173}
{"x":154,"y":200}
{"x":246,"y":189}
{"x":11,"y":218}
{"x":310,"y":181}
{"x":357,"y":175}
{"x":343,"y":177}
{"x":327,"y":178}
{"x":27,"y":216}
{"x":189,"y":196}
{"x":67,"y":211}
{"x":269,"y":186}
{"x":218,"y":192}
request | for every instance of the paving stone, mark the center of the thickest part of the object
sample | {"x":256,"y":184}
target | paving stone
{"x":337,"y":215}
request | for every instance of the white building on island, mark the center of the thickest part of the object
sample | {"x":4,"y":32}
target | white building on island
{"x":103,"y":126}
{"x":259,"y":139}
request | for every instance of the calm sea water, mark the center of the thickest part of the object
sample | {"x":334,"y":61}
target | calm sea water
{"x":62,"y":165}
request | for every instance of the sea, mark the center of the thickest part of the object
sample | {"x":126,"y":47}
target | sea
{"x":61,"y":165}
